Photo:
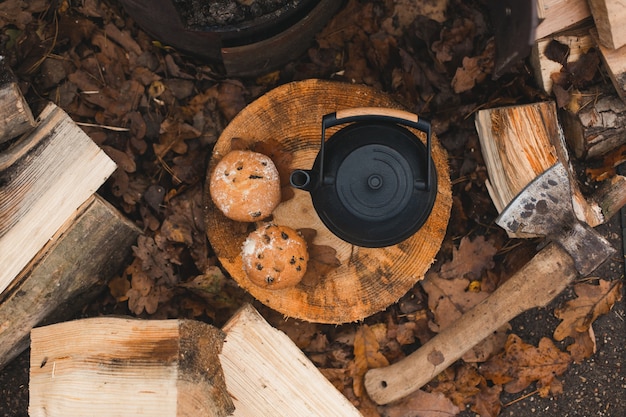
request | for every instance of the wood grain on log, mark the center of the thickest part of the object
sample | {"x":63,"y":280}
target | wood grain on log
{"x":559,"y":15}
{"x":365,"y":280}
{"x":579,"y":42}
{"x":609,"y":16}
{"x":74,"y":266}
{"x":44,"y":178}
{"x":519,"y":143}
{"x":268,"y":375}
{"x":112,"y":367}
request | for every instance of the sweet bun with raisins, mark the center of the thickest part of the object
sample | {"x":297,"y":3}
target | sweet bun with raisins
{"x":245,"y":186}
{"x":275,"y":257}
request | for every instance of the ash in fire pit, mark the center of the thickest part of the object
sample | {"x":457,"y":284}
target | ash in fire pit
{"x":242,"y":37}
{"x":224,"y":13}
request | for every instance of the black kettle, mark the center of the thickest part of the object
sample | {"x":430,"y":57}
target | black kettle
{"x":373,"y":183}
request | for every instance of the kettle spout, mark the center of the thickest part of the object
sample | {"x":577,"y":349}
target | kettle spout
{"x":303,"y":179}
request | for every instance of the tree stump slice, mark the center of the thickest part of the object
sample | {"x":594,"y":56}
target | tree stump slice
{"x":361,"y":281}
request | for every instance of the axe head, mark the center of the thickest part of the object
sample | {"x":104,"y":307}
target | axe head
{"x":545,"y":208}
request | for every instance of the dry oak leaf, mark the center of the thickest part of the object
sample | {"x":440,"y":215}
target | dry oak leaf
{"x":454,"y":40}
{"x":584,"y":345}
{"x":144,"y":294}
{"x":448,"y":299}
{"x":211,"y":282}
{"x":474,"y":70}
{"x":367,"y":355}
{"x":231,"y":98}
{"x":118,"y":287}
{"x":322,"y":258}
{"x":487,"y":401}
{"x":172,"y":136}
{"x":578,"y":315}
{"x":153,"y":261}
{"x":422,"y":404}
{"x":522,"y":364}
{"x":464,"y":385}
{"x":19,"y":12}
{"x":460,"y":384}
{"x":470,"y":259}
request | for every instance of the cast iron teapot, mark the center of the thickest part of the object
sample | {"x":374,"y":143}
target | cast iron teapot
{"x":373,"y":183}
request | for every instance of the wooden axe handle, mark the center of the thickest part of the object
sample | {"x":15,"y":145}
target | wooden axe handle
{"x":547,"y":274}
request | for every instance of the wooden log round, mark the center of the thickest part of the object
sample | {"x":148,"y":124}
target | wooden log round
{"x":344,"y":283}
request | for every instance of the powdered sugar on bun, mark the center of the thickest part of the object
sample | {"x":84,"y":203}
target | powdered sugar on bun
{"x":275,"y":257}
{"x":245,"y":186}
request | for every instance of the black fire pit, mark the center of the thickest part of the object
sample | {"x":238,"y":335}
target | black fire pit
{"x":245,"y":37}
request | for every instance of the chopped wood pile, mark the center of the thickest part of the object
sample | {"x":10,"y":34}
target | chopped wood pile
{"x":59,"y":241}
{"x":566,"y":59}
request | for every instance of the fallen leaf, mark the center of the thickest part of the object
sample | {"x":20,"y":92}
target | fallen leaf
{"x":118,"y":287}
{"x":578,"y":315}
{"x":460,"y":384}
{"x":584,"y":345}
{"x":562,"y":95}
{"x":144,"y":293}
{"x":522,"y":364}
{"x":367,"y":355}
{"x":487,"y":401}
{"x":153,"y":261}
{"x":422,"y":404}
{"x":189,"y":168}
{"x":448,"y":299}
{"x":557,"y":51}
{"x":474,"y":70}
{"x":210,"y":282}
{"x":584,"y":69}
{"x":172,"y":137}
{"x":231,"y":98}
{"x":19,"y":12}
{"x":322,"y":259}
{"x":176,"y":228}
{"x":470,"y":259}
{"x":455,"y":41}
{"x":123,"y":160}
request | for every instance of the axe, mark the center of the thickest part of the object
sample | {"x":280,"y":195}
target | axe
{"x":545,"y":208}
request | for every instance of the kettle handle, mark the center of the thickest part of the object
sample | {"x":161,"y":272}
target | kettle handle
{"x":374,"y":112}
{"x":382,"y":114}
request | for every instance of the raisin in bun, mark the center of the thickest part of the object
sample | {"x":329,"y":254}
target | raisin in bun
{"x":275,"y":257}
{"x":245,"y":186}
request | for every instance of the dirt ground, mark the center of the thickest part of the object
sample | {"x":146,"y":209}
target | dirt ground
{"x":365,"y":48}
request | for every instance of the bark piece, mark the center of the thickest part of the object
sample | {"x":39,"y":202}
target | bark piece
{"x":110,"y":367}
{"x":596,"y":124}
{"x":44,"y":178}
{"x":268,"y":375}
{"x":16,"y":117}
{"x":74,"y":266}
